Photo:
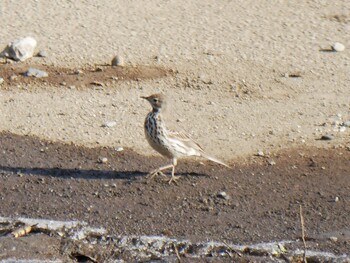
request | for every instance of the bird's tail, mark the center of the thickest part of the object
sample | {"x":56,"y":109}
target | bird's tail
{"x":214,"y":159}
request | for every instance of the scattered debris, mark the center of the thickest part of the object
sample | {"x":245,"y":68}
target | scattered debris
{"x":82,"y":242}
{"x":20,"y":49}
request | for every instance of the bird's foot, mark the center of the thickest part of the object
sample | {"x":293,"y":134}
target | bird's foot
{"x":152,"y":174}
{"x":174,"y":179}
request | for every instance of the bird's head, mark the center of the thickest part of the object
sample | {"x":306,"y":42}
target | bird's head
{"x":157,"y":101}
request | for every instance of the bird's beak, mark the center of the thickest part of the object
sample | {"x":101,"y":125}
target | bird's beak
{"x":143,"y":97}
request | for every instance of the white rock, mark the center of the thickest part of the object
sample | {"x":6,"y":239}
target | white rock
{"x":1,"y":80}
{"x":119,"y":149}
{"x":260,"y":153}
{"x":20,"y":49}
{"x":118,"y":61}
{"x":109,"y":124}
{"x":37,"y":73}
{"x":339,"y":47}
{"x":223,"y":195}
{"x":102,"y":160}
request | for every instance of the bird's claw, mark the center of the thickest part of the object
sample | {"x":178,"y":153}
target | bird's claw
{"x":174,"y":179}
{"x":152,"y":174}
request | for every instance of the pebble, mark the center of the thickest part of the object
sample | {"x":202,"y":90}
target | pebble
{"x":33,"y":72}
{"x":271,"y":162}
{"x":1,"y":80}
{"x":78,"y":72}
{"x":338,"y":47}
{"x":102,"y":160}
{"x":13,"y":77}
{"x":20,"y":49}
{"x":336,"y":199}
{"x":97,"y":83}
{"x":346,"y":124}
{"x":119,"y":149}
{"x":260,"y":153}
{"x":223,"y":195}
{"x":109,"y":124}
{"x":327,"y":137}
{"x":117,"y":61}
{"x":334,"y":239}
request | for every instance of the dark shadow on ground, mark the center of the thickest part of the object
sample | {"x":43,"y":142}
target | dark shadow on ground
{"x":34,"y":156}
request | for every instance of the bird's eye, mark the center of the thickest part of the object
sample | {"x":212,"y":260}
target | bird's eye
{"x":155,"y":100}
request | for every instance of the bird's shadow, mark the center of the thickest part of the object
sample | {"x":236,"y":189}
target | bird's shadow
{"x":87,"y":174}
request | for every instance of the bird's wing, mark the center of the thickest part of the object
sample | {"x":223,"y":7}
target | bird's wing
{"x":186,"y":140}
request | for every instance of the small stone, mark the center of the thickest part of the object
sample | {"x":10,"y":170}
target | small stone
{"x":346,"y":124}
{"x":223,"y":195}
{"x":102,"y":160}
{"x":97,"y":83}
{"x":78,"y":72}
{"x":20,"y":49}
{"x":117,"y":61}
{"x":334,"y":239}
{"x":338,"y":47}
{"x":342,"y":129}
{"x":33,"y":72}
{"x":271,"y":162}
{"x":119,"y":149}
{"x":327,"y":137}
{"x":1,"y":80}
{"x":336,"y":199}
{"x":109,"y":124}
{"x":260,"y":153}
{"x":42,"y":54}
{"x":13,"y":77}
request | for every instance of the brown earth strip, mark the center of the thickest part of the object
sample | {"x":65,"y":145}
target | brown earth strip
{"x":99,"y":75}
{"x":52,"y":180}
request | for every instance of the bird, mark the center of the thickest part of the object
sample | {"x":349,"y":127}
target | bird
{"x":169,"y":143}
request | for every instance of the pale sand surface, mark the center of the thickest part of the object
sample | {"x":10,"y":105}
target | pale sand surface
{"x":230,"y":92}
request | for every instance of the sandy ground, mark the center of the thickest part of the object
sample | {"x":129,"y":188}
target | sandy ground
{"x":241,"y":76}
{"x":231,"y":92}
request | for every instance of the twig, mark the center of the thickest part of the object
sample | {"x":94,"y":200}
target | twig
{"x":302,"y":232}
{"x":177,"y":253}
{"x":231,"y":249}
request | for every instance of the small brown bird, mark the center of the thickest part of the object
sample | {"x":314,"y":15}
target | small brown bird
{"x":168,"y":143}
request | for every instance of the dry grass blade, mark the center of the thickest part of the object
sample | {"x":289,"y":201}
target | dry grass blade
{"x":177,"y":253}
{"x":302,"y":232}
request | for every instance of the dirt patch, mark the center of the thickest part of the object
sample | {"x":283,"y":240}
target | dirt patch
{"x":100,"y":75}
{"x":52,"y":180}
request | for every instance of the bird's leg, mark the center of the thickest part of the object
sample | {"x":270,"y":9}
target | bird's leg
{"x":153,"y":173}
{"x":174,"y":178}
